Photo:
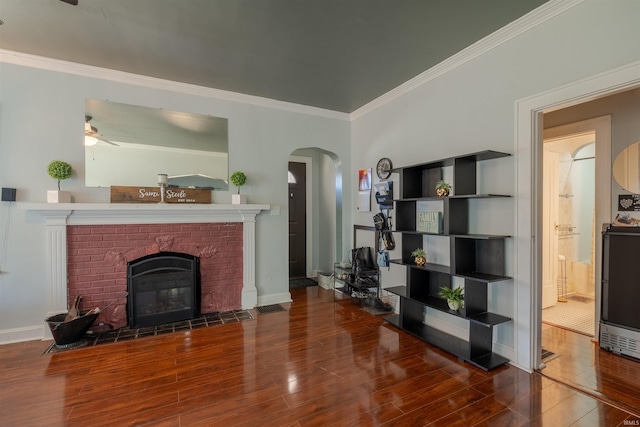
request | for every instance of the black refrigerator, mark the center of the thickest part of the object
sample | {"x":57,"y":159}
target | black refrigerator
{"x":620,"y":319}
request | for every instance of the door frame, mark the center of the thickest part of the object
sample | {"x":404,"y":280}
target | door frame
{"x":308,"y":161}
{"x":527,"y":212}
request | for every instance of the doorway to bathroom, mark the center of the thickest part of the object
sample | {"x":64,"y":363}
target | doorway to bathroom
{"x":568,"y":293}
{"x":576,"y":177}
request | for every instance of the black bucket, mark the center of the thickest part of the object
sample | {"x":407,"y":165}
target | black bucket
{"x":65,"y":333}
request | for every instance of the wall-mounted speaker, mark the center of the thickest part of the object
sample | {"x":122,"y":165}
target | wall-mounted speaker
{"x":8,"y":194}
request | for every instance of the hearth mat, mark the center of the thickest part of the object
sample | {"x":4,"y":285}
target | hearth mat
{"x":270,"y":308}
{"x":302,"y":283}
{"x":93,"y":338}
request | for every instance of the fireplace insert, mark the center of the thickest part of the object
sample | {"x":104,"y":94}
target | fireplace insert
{"x":163,"y":288}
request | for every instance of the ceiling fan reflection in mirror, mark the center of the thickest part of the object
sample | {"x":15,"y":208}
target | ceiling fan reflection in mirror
{"x":91,"y":135}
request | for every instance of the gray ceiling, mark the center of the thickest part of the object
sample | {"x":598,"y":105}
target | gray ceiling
{"x":333,"y":54}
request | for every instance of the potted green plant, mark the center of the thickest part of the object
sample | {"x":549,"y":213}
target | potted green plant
{"x":238,"y":179}
{"x":443,"y":189}
{"x":419,"y":256}
{"x":60,"y":171}
{"x":454,"y":297}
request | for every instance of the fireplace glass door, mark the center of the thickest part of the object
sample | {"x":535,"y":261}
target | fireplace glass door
{"x":163,"y":288}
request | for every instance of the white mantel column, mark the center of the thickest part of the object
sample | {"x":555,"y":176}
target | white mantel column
{"x":249,"y":289}
{"x":57,"y":262}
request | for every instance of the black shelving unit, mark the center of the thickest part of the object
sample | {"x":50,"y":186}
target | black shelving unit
{"x":479,"y":259}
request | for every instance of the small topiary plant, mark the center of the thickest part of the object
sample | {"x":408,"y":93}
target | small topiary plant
{"x":59,"y":170}
{"x":238,"y":179}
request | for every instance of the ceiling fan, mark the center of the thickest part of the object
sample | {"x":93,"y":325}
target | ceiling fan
{"x":72,"y":2}
{"x":91,"y":135}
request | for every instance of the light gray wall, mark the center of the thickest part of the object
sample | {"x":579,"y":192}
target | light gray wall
{"x":42,"y":119}
{"x":472,"y":108}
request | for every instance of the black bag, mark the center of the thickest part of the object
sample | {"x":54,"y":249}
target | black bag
{"x":388,"y":240}
{"x":362,"y":259}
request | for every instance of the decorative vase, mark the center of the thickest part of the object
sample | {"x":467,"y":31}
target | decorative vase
{"x":420,"y":261}
{"x":56,"y":196}
{"x":442,"y":192}
{"x":238,"y":199}
{"x":453,"y":305}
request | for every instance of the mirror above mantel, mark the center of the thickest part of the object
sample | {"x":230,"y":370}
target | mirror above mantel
{"x":137,"y":143}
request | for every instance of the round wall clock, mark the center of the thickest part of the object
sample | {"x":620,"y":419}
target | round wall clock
{"x":383,"y":169}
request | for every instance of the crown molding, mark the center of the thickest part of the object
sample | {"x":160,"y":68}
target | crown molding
{"x":51,"y":64}
{"x":537,"y":16}
{"x":506,"y":33}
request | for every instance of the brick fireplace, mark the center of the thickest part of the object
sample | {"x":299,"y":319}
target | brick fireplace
{"x":89,"y":245}
{"x":97,"y":257}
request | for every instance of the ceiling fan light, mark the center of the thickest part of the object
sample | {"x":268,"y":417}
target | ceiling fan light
{"x":90,"y":141}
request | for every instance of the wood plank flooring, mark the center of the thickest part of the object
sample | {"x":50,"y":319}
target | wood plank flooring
{"x":583,"y":365}
{"x":324,"y":362}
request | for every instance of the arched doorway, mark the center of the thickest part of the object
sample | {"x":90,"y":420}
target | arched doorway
{"x":315,"y":211}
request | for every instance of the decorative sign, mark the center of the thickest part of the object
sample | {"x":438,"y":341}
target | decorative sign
{"x":428,"y":217}
{"x":121,"y":194}
{"x":629,"y":202}
{"x":429,"y":222}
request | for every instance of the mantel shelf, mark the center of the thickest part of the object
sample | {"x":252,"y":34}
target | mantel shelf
{"x":37,"y":206}
{"x":118,"y":213}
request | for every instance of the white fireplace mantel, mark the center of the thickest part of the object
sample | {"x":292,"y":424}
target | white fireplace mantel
{"x":59,"y":215}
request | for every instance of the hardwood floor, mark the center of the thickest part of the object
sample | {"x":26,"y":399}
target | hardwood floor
{"x":583,"y":365}
{"x":324,"y":362}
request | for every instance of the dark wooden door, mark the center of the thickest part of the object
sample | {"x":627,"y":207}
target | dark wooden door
{"x":297,"y":220}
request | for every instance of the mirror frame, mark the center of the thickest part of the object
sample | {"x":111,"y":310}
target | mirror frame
{"x":136,"y":143}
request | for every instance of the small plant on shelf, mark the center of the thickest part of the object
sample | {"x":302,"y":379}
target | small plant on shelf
{"x":238,"y":179}
{"x":454,"y":297}
{"x":59,"y":170}
{"x":443,"y":189}
{"x":419,"y":257}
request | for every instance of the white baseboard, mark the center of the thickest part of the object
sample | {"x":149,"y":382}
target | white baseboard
{"x":507,"y":352}
{"x":274,"y":299}
{"x":447,"y":327}
{"x":27,"y":333}
{"x":463,"y":334}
